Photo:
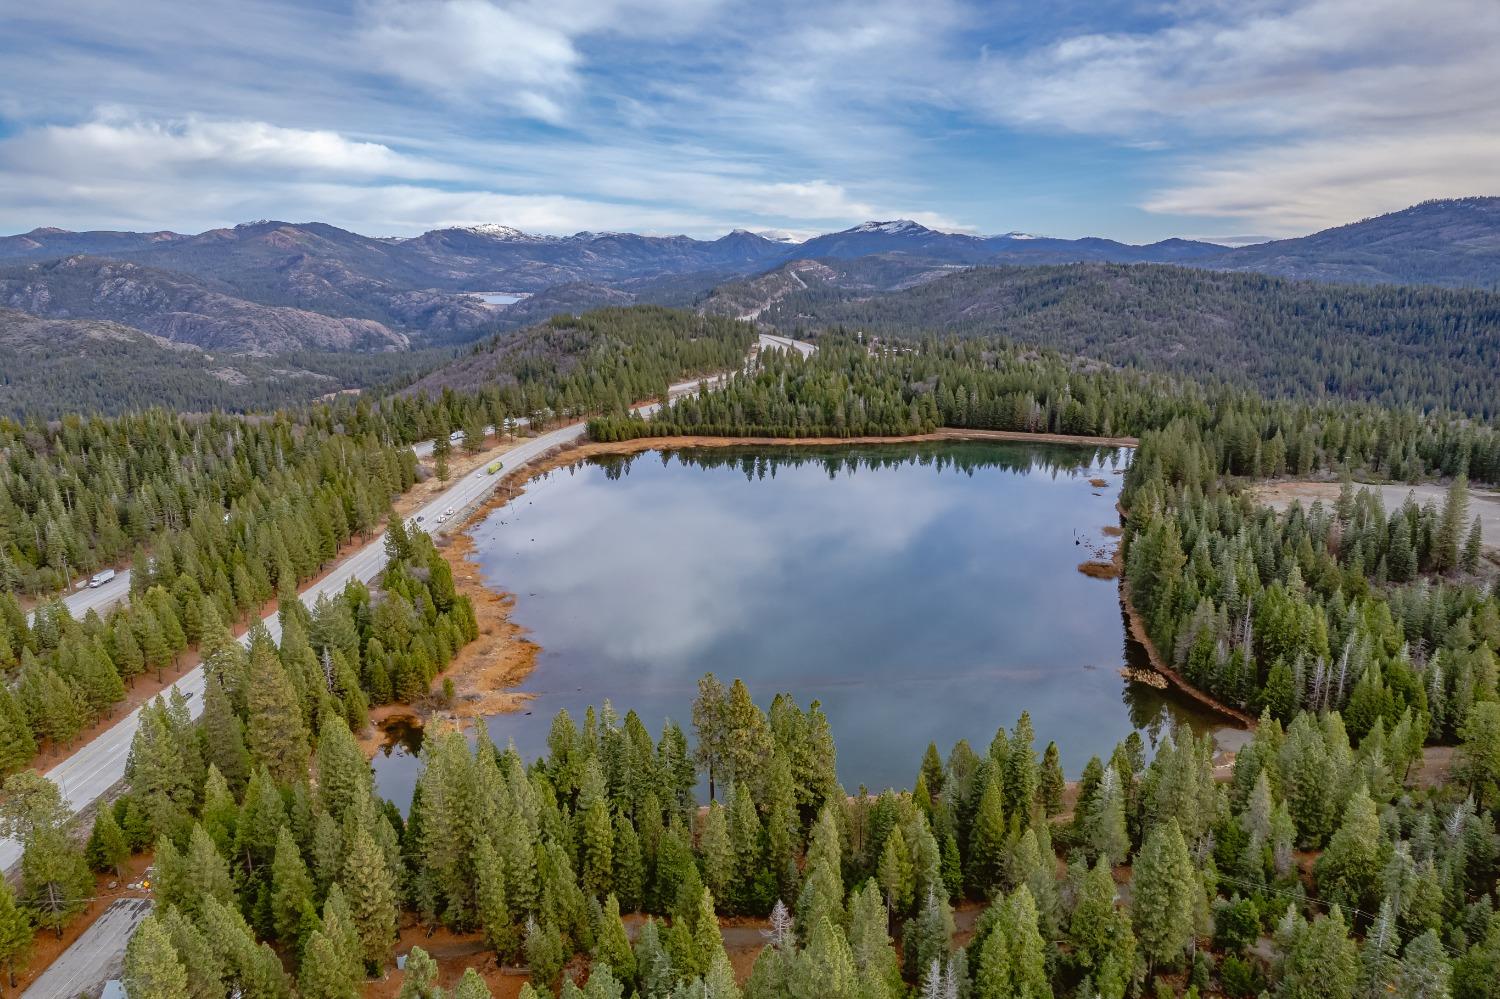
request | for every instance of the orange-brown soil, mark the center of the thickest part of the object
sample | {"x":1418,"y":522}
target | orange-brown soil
{"x":47,"y":946}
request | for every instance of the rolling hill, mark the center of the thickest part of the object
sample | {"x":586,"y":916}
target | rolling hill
{"x":1407,"y":345}
{"x":181,"y":308}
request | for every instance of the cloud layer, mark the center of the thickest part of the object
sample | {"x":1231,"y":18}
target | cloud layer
{"x":1135,"y":120}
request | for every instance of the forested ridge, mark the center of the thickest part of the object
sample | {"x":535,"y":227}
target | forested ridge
{"x":50,"y":368}
{"x":1397,"y":345}
{"x":910,"y":386}
{"x":219,"y":514}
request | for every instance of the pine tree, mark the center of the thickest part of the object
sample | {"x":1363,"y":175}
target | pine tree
{"x":17,"y":744}
{"x":1473,"y":548}
{"x":471,"y":986}
{"x":15,"y":932}
{"x":545,"y":954}
{"x":708,"y":942}
{"x":826,"y":967}
{"x":325,"y":972}
{"x":205,"y":969}
{"x":717,"y":851}
{"x":1166,"y":894}
{"x":1052,"y":783}
{"x":747,"y":737}
{"x":343,"y":774}
{"x":1012,"y":958}
{"x":419,"y":980}
{"x":1020,"y":768}
{"x":206,"y":872}
{"x":339,"y":927}
{"x":596,"y":849}
{"x":159,"y":774}
{"x":1349,"y":870}
{"x":612,"y":945}
{"x":783,"y":826}
{"x":630,"y":869}
{"x":1425,"y":970}
{"x":368,"y":885}
{"x":262,"y":814}
{"x":719,"y":983}
{"x":276,"y":735}
{"x":929,"y":936}
{"x":1104,"y":829}
{"x":107,"y":848}
{"x":1099,"y":930}
{"x":1480,"y":752}
{"x":55,"y":880}
{"x":895,"y":872}
{"x":152,"y":969}
{"x":291,"y":886}
{"x":653,"y":964}
{"x":1317,"y":960}
{"x":711,"y":724}
{"x":986,"y":857}
{"x":489,"y":897}
{"x":224,"y":734}
{"x":1450,"y":529}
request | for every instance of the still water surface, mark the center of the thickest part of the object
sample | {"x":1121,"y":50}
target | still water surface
{"x":921,"y":592}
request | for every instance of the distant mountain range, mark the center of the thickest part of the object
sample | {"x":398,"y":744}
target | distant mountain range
{"x":276,"y":287}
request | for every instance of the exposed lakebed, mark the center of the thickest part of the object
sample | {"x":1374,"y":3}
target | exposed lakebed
{"x":920,"y":592}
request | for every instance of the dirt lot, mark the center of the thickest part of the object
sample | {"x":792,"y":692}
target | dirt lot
{"x":1483,"y":503}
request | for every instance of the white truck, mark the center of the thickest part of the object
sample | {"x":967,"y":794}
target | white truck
{"x":98,"y":579}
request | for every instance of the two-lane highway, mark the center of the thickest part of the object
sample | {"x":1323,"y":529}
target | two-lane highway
{"x":99,"y":765}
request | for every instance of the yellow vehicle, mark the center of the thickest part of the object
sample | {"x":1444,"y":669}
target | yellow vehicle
{"x":493,"y":467}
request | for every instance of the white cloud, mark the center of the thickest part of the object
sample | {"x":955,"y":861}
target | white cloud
{"x":523,"y":54}
{"x":116,"y":170}
{"x":119,"y":146}
{"x":1260,"y":68}
{"x":1315,"y":112}
{"x":473,"y":47}
{"x":1298,"y":187}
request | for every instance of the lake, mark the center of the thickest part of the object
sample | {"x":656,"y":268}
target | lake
{"x":497,"y":297}
{"x":921,"y":592}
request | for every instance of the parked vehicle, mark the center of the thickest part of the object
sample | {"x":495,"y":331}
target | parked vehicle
{"x":98,"y":579}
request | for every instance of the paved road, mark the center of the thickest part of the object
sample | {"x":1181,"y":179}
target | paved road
{"x":98,"y":766}
{"x":101,"y":598}
{"x":95,"y":957}
{"x":786,"y":343}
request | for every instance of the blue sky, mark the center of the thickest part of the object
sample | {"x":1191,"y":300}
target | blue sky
{"x":1130,"y":120}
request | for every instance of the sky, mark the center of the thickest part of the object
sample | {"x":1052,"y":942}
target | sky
{"x":1222,"y":119}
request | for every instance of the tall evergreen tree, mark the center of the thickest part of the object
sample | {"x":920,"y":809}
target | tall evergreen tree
{"x":152,"y":969}
{"x":1166,"y":894}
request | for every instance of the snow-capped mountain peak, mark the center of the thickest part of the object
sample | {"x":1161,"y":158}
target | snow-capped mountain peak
{"x":1016,"y":235}
{"x":494,"y":230}
{"x":895,"y":227}
{"x":781,"y":236}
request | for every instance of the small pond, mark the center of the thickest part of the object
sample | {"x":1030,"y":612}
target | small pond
{"x":497,"y":297}
{"x":921,"y":592}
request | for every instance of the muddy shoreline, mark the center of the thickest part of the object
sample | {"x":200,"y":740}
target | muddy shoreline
{"x":1178,"y":681}
{"x":485,"y":672}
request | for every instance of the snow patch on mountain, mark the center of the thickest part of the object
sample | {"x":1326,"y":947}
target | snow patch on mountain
{"x":895,"y":227}
{"x":504,"y":233}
